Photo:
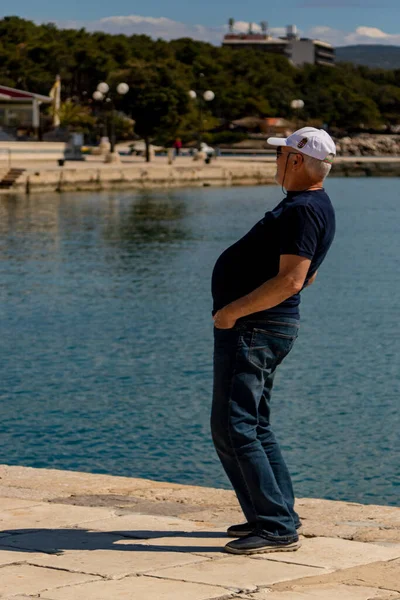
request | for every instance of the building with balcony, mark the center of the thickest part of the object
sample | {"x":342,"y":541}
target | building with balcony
{"x":299,"y":51}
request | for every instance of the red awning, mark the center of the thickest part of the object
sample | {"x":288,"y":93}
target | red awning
{"x":11,"y":94}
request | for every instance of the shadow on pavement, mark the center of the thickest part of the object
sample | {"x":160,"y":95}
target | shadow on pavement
{"x":55,"y":541}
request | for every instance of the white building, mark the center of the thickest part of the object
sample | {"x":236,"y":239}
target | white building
{"x":298,"y":50}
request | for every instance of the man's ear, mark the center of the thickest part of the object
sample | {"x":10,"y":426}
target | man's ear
{"x":298,"y":161}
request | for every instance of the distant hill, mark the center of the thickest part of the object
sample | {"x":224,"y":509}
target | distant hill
{"x":370,"y":55}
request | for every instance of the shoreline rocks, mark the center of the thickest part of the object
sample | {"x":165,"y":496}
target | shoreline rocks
{"x":368,"y":145}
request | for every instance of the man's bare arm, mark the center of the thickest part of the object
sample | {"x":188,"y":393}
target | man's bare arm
{"x":289,"y":281}
{"x":312,"y":279}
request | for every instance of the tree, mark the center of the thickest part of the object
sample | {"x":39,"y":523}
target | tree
{"x":188,"y":129}
{"x":388,"y":100}
{"x":76,"y":117}
{"x":156,"y":100}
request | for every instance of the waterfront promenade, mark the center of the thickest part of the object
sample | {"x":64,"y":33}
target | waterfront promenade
{"x":67,"y":535}
{"x":132,"y":172}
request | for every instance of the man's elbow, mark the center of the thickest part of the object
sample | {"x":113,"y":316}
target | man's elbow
{"x":298,"y":287}
{"x":294,"y":285}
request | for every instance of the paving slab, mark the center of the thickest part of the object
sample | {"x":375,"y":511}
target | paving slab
{"x":25,"y":579}
{"x":209,"y":543}
{"x":8,"y":557}
{"x":334,"y":553}
{"x":18,"y":597}
{"x":349,"y":520}
{"x":379,"y":535}
{"x":337,"y":592}
{"x":115,"y":564}
{"x":144,"y":526}
{"x":384,"y":575}
{"x":237,"y":572}
{"x":138,"y":588}
{"x":30,"y":483}
{"x":45,"y":514}
{"x":10,"y":503}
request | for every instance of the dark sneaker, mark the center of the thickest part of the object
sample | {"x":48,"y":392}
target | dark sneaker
{"x":257,"y":543}
{"x":239,"y":531}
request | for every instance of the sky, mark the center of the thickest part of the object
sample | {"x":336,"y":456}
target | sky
{"x":341,"y":22}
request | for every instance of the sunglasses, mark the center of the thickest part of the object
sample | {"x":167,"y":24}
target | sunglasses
{"x":279,"y":152}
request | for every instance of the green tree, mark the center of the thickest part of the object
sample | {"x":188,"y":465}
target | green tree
{"x":76,"y":117}
{"x":388,"y":100}
{"x":189,"y":125}
{"x":156,"y":100}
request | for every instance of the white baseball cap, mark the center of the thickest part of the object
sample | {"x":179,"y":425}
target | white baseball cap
{"x":308,"y":140}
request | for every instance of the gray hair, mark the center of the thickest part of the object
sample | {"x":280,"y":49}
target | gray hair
{"x":318,"y":168}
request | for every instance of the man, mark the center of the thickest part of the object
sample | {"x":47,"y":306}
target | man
{"x":256,"y":285}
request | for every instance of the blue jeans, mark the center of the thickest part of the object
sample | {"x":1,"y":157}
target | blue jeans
{"x":245,"y":362}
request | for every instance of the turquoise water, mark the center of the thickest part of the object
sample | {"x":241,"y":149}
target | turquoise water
{"x":106,"y":338}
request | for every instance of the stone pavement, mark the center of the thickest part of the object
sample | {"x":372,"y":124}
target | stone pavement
{"x":78,"y":536}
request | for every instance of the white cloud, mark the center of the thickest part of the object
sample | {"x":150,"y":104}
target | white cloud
{"x":243,"y":27}
{"x":371,"y":32}
{"x":371,"y":35}
{"x":136,"y":19}
{"x":162,"y":27}
{"x":362,"y":35}
{"x":155,"y":27}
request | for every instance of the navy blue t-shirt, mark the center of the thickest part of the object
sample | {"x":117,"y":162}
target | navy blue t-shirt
{"x":302,"y":224}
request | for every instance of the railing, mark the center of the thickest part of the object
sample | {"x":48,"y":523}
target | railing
{"x":23,"y":151}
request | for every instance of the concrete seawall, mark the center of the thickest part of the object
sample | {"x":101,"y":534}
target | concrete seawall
{"x":67,"y":535}
{"x":96,"y":177}
{"x":366,"y":167}
{"x":133,"y":173}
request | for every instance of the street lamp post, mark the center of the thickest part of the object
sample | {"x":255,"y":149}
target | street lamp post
{"x":98,"y":97}
{"x":297,"y":105}
{"x":102,"y":94}
{"x":207,"y":96}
